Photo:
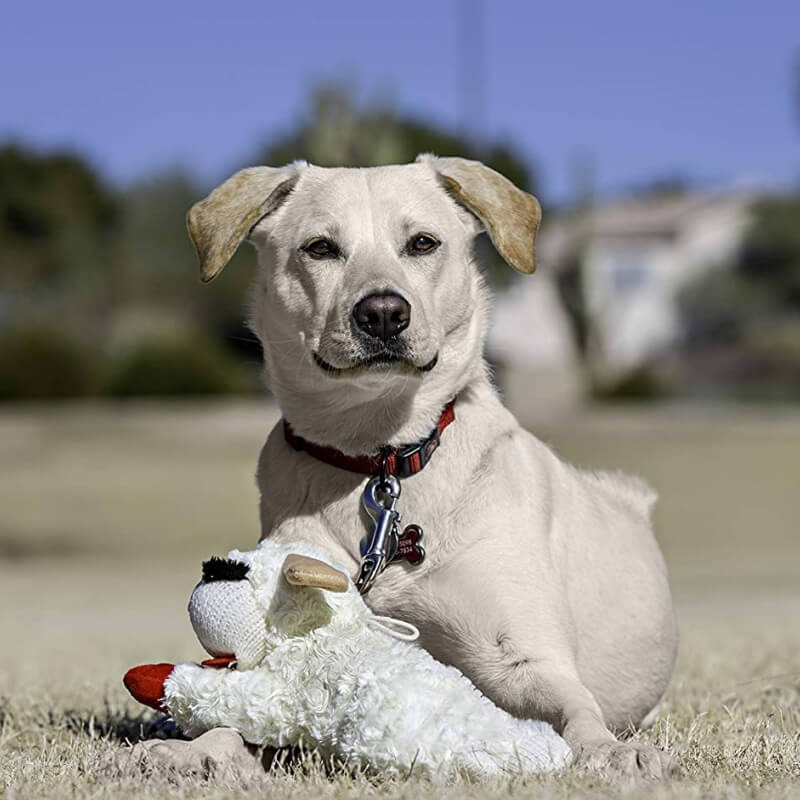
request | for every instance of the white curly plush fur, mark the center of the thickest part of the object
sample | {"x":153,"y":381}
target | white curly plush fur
{"x":332,"y":678}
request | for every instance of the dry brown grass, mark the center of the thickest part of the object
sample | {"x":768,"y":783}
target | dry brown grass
{"x":106,"y":514}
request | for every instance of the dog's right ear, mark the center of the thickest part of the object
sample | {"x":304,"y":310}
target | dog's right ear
{"x":219,"y":223}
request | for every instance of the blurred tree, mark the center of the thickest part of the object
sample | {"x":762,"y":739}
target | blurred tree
{"x":178,"y":362}
{"x":34,"y":363}
{"x":57,"y":228}
{"x":336,"y":132}
{"x":159,"y":264}
{"x":743,"y":324}
{"x":770,"y":257}
{"x":161,"y":272}
{"x":114,"y":272}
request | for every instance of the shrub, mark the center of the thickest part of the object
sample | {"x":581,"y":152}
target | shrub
{"x":646,"y":383}
{"x":41,"y":362}
{"x":743,"y":324}
{"x":176,"y":364}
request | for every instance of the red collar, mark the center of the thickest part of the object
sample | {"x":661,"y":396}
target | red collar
{"x":399,"y":461}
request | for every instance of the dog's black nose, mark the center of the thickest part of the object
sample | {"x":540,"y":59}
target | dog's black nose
{"x":382,"y":315}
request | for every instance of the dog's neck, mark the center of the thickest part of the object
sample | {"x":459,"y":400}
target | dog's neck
{"x":363,"y":428}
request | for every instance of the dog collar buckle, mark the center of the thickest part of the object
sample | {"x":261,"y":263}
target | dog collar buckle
{"x":386,"y":545}
{"x":379,"y":500}
{"x":413,"y":458}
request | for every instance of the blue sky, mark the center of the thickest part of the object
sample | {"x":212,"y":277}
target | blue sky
{"x":646,"y":89}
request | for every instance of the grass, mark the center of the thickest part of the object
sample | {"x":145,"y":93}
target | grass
{"x":108,"y":511}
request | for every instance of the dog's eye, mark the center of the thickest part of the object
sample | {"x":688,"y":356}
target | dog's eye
{"x":321,"y":248}
{"x":422,"y":243}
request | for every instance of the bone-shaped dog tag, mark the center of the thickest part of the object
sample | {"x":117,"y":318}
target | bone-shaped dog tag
{"x":408,"y":546}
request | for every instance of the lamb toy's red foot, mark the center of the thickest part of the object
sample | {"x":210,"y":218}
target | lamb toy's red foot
{"x":146,"y":682}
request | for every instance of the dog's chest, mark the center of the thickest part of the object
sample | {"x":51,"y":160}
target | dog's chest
{"x":423,"y":521}
{"x":305,"y":499}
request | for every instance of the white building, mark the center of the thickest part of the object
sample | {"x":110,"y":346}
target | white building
{"x":632,"y":257}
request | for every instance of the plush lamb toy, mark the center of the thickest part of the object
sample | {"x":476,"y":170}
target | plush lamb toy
{"x":314,"y":665}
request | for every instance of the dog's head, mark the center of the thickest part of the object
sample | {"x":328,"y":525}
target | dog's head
{"x":367,"y":286}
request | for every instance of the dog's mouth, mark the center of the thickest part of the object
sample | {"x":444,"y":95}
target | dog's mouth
{"x":380,"y":361}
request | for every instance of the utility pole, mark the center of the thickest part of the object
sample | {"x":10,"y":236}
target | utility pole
{"x":471,"y":54}
{"x":796,"y":86}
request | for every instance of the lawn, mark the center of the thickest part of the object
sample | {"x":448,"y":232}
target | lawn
{"x":108,"y":511}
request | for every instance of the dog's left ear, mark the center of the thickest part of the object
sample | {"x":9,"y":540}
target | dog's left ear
{"x":510,"y":216}
{"x":219,"y":223}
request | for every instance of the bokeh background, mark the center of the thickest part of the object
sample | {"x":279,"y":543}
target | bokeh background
{"x":663,"y":144}
{"x":661,"y":333}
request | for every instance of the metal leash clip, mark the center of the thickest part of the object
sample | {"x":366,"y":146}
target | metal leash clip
{"x":380,"y":500}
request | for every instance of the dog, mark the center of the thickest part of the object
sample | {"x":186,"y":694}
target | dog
{"x":543,"y":583}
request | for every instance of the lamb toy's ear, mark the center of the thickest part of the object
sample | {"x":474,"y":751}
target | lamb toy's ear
{"x":305,"y":571}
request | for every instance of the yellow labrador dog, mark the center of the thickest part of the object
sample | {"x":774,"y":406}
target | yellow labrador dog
{"x":541,"y":582}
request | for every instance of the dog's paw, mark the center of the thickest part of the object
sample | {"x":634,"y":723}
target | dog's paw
{"x":218,"y":753}
{"x":626,"y":760}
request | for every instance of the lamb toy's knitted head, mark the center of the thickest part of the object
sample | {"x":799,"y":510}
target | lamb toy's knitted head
{"x":250,"y":602}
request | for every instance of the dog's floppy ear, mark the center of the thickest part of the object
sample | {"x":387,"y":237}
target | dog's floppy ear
{"x":510,"y":216}
{"x":305,"y":571}
{"x":219,"y":223}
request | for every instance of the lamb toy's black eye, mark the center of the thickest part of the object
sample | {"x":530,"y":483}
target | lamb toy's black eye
{"x":321,"y":248}
{"x":422,"y":243}
{"x":224,"y":569}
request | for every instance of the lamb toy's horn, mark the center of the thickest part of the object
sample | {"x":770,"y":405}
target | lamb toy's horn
{"x":305,"y":571}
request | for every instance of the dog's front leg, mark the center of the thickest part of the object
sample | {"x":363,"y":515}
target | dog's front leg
{"x":551,"y":688}
{"x":220,"y":753}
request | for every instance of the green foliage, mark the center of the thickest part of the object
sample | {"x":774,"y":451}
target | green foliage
{"x":157,"y":260}
{"x":56,"y":217}
{"x":75,"y":251}
{"x":185,"y":363}
{"x":339,"y":133}
{"x":37,"y":362}
{"x":641,"y":384}
{"x":743,"y":323}
{"x":770,"y":258}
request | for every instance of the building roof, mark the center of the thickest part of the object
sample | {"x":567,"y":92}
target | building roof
{"x":659,"y":216}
